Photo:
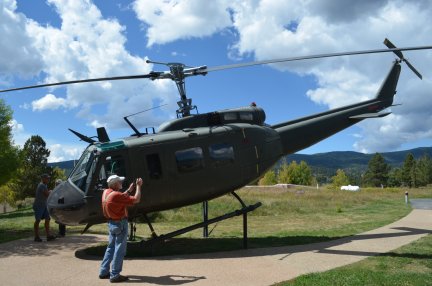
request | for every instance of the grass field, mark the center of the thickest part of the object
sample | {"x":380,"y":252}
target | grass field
{"x":408,"y":265}
{"x":287,"y":216}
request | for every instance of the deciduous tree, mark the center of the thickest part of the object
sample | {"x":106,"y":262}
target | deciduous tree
{"x":9,"y":159}
{"x":340,"y":179}
{"x":269,"y":178}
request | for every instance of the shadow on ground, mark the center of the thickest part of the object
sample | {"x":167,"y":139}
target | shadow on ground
{"x":219,"y":248}
{"x":28,"y":247}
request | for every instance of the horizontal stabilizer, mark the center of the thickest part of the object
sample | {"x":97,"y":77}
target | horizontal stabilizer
{"x":370,"y":115}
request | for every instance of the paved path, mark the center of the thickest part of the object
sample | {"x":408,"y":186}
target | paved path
{"x":25,"y":262}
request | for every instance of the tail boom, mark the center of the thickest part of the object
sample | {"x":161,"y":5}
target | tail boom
{"x":303,"y":132}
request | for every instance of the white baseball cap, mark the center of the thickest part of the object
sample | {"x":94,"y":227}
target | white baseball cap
{"x":114,"y":178}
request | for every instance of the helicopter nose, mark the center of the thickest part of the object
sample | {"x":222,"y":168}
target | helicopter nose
{"x":66,"y":204}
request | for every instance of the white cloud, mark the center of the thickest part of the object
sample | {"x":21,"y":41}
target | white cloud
{"x":16,"y":127}
{"x":19,"y":134}
{"x":172,"y":20}
{"x":49,"y":101}
{"x":18,"y":55}
{"x":64,"y":152}
{"x":89,"y":46}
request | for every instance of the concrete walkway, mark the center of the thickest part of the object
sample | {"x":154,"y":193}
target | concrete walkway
{"x":25,"y":262}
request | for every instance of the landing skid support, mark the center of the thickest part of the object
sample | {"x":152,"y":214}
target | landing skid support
{"x":132,"y":230}
{"x":243,"y":211}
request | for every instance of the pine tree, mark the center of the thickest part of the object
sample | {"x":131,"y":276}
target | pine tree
{"x":395,"y":177}
{"x":377,"y":172}
{"x":34,"y":164}
{"x":423,"y":171}
{"x":408,"y":171}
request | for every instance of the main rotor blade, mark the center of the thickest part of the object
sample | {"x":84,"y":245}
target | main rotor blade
{"x":150,"y":75}
{"x":318,"y":56}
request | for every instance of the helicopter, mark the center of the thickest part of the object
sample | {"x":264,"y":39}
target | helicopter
{"x":198,"y":157}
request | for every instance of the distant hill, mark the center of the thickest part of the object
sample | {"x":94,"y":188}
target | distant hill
{"x":348,"y":159}
{"x":325,"y":165}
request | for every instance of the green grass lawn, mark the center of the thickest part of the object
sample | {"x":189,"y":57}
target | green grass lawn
{"x":408,"y":265}
{"x":287,"y":216}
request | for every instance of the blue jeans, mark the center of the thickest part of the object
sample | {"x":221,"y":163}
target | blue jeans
{"x":116,"y":248}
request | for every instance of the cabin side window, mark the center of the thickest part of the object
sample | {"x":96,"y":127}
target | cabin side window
{"x":189,"y":160}
{"x":154,"y":166}
{"x":221,"y":154}
{"x":115,"y":165}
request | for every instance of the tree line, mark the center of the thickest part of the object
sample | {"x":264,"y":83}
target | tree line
{"x":21,"y":168}
{"x":413,"y":173}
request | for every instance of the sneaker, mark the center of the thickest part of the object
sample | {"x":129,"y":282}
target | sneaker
{"x":104,"y":276}
{"x":51,"y":237}
{"x":119,"y":278}
{"x":37,"y":239}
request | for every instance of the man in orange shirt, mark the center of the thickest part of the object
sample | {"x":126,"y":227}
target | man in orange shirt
{"x":114,"y":206}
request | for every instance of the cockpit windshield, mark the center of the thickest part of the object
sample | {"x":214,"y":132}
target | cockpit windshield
{"x":80,"y":174}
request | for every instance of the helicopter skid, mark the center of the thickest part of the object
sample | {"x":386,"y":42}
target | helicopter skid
{"x":243,"y":211}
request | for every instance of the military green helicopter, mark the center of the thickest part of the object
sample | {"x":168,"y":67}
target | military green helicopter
{"x":199,"y":157}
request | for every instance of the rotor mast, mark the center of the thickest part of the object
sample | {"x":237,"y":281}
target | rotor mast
{"x":178,"y":74}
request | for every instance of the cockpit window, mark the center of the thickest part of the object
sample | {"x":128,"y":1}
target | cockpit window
{"x":82,"y":169}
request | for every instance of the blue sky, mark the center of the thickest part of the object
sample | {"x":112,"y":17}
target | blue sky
{"x":56,"y":40}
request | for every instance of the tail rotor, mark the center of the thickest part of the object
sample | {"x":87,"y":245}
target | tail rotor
{"x":401,"y":56}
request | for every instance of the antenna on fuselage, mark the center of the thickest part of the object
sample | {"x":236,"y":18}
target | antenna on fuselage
{"x":137,"y":132}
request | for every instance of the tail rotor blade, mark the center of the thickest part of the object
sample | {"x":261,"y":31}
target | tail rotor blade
{"x":413,"y":68}
{"x":391,"y":46}
{"x":401,"y":56}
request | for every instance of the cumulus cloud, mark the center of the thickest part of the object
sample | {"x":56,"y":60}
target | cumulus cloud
{"x":49,"y":101}
{"x":18,"y":55}
{"x":277,"y":29}
{"x":64,"y":152}
{"x":171,"y":20}
{"x":15,"y":126}
{"x":89,"y":46}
